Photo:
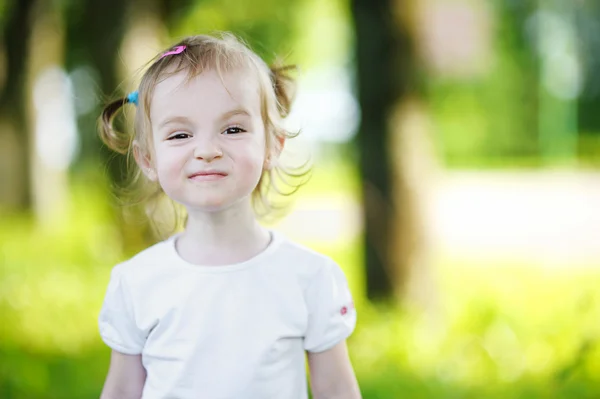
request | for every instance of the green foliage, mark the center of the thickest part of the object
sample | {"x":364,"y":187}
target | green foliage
{"x":589,"y":150}
{"x":52,"y":280}
{"x":264,"y":24}
{"x":503,"y":116}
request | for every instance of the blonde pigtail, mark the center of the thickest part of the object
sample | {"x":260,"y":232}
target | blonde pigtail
{"x":285,"y":88}
{"x":115,"y":140}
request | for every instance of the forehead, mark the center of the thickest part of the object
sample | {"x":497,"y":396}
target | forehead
{"x":205,"y":94}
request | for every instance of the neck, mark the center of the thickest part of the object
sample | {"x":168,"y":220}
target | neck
{"x":217,"y":238}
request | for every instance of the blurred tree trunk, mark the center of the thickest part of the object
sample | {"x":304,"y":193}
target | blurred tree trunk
{"x":516,"y":46}
{"x":95,"y":29}
{"x":588,"y":29}
{"x":15,"y":136}
{"x":392,"y":146}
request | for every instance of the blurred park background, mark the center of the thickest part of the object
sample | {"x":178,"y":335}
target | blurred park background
{"x":456,"y":151}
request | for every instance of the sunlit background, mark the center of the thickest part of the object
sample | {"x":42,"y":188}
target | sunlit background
{"x":456,"y":180}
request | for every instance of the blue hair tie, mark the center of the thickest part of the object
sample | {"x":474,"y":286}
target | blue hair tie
{"x":133,"y":97}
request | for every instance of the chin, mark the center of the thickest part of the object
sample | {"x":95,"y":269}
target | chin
{"x":212,"y":205}
{"x":212,"y":200}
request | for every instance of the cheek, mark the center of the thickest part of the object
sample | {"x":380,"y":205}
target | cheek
{"x":251,"y":169}
{"x":254,"y":158}
{"x":168,"y":164}
{"x":249,"y":166}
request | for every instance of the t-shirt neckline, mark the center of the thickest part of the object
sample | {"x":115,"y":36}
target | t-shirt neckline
{"x":271,"y":247}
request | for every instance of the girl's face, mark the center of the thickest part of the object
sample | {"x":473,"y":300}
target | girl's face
{"x":208,"y":139}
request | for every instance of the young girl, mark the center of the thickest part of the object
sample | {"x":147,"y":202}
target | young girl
{"x":227,"y":308}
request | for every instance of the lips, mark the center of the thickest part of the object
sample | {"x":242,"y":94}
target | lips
{"x":208,"y":175}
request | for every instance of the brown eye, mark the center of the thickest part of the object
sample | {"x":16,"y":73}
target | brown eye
{"x":234,"y":130}
{"x":179,"y":136}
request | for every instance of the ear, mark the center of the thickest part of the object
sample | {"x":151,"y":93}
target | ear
{"x":281,"y":141}
{"x":142,"y":158}
{"x":274,"y":153}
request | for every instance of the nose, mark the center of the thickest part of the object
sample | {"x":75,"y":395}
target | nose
{"x":207,"y":148}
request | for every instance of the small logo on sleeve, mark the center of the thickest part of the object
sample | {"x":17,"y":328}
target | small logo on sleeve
{"x":346,"y":308}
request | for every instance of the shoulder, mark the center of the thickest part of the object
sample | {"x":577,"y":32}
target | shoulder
{"x":303,"y":260}
{"x":144,"y":264}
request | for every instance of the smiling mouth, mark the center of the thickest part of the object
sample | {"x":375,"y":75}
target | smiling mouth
{"x":208,"y":176}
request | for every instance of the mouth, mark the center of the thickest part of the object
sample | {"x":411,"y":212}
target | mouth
{"x":208,"y":175}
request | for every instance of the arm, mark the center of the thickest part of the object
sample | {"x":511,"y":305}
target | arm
{"x":126,"y":377}
{"x":331,"y":374}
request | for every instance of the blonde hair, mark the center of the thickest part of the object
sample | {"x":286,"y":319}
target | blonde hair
{"x":224,"y":53}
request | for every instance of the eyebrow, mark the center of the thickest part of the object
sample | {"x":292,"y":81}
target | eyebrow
{"x":174,"y":119}
{"x":234,"y":112}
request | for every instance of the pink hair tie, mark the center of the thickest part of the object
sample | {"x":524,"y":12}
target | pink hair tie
{"x":176,"y":50}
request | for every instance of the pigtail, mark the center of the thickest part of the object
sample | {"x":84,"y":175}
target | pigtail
{"x":285,"y":88}
{"x":115,"y":140}
{"x":279,"y":181}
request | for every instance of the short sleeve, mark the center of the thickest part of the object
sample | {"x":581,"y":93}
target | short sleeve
{"x":331,"y":312}
{"x":116,"y":321}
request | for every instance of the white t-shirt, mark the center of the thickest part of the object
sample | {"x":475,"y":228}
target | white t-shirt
{"x":226,"y":332}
